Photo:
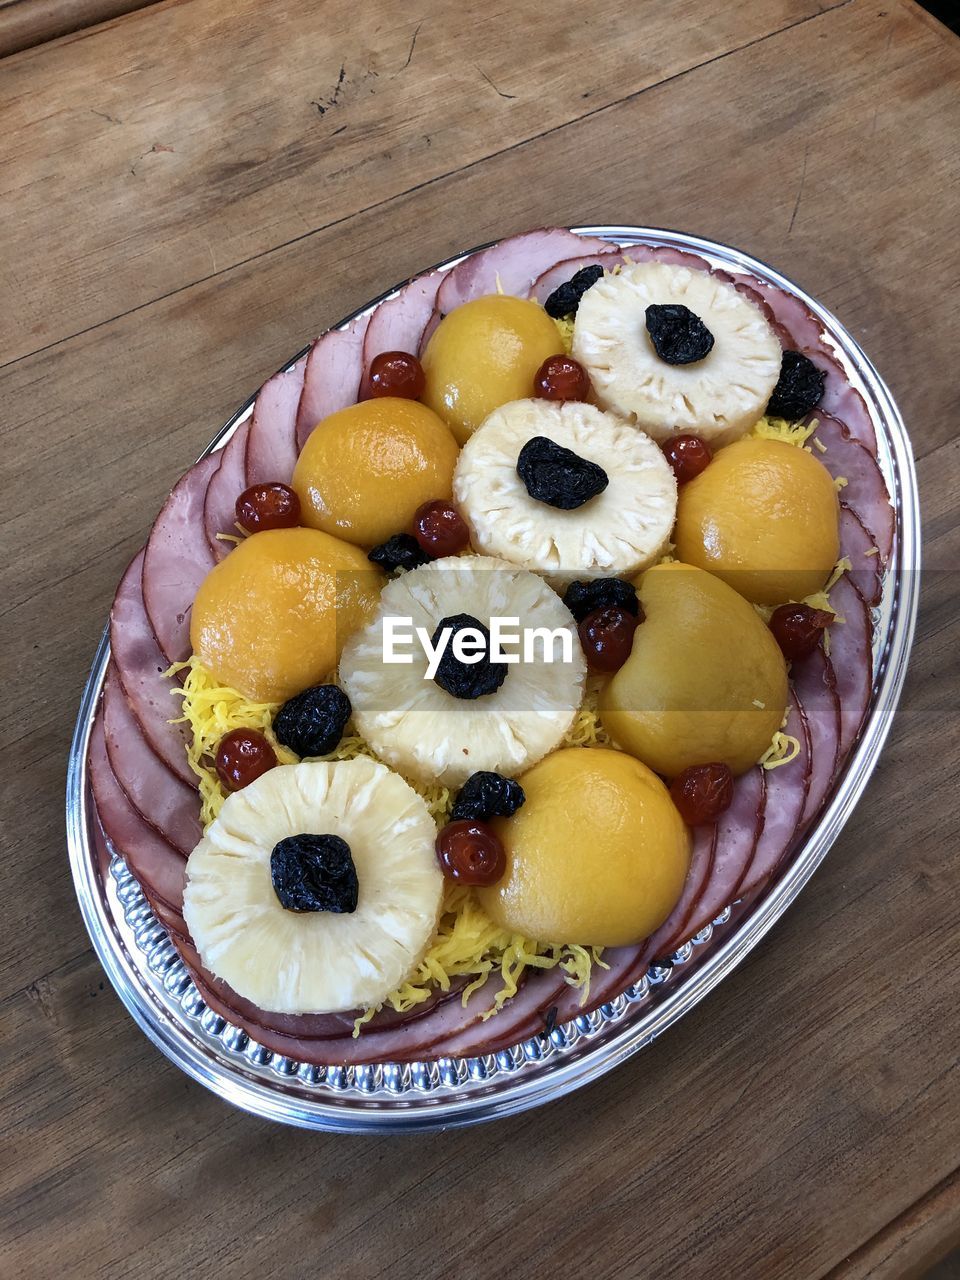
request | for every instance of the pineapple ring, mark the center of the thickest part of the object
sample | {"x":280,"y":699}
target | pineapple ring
{"x":316,"y":961}
{"x":420,"y":729}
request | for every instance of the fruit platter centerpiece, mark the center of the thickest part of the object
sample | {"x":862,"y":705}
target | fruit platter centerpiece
{"x":496,"y":682}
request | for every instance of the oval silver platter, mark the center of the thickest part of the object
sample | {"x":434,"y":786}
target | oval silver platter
{"x":151,"y":981}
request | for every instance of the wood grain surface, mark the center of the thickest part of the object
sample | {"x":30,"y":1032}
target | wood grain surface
{"x":192,"y":191}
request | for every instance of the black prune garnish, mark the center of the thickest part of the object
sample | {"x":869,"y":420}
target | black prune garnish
{"x":466,"y":679}
{"x":565,"y":300}
{"x":798,"y":388}
{"x":585,"y":597}
{"x":487,"y":795}
{"x":402,"y":551}
{"x":314,"y":873}
{"x":312,"y":723}
{"x":549,"y":1023}
{"x":558,"y":476}
{"x":678,"y":335}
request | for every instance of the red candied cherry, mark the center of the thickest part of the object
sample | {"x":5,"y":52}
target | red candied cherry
{"x":268,"y":506}
{"x":688,"y":456}
{"x":470,"y":853}
{"x":797,"y":628}
{"x":440,"y":529}
{"x":243,"y":755}
{"x":702,"y":792}
{"x":396,"y":373}
{"x":606,"y":636}
{"x":561,"y":378}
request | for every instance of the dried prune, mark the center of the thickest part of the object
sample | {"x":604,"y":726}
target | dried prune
{"x":314,"y":873}
{"x":558,"y":476}
{"x":678,"y":335}
{"x":487,"y":795}
{"x":466,"y":679}
{"x":565,"y":300}
{"x":583,"y":597}
{"x":402,"y":551}
{"x":312,"y":723}
{"x":798,"y":388}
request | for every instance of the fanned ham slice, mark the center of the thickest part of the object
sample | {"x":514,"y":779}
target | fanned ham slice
{"x":813,"y":686}
{"x":674,"y":928}
{"x":865,"y":492}
{"x":177,"y":559}
{"x":861,"y":550}
{"x":851,"y":657}
{"x":226,"y":485}
{"x":787,"y":787}
{"x":170,"y":806}
{"x":512,"y":265}
{"x":738,"y":834}
{"x":272,"y":442}
{"x":331,"y":379}
{"x":160,"y":869}
{"x":560,"y":272}
{"x":399,"y":323}
{"x":139,"y":666}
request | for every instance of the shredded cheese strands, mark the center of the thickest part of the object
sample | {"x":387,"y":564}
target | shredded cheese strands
{"x":784,"y":748}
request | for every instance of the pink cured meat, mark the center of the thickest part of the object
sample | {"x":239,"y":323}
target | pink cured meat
{"x":160,"y":869}
{"x":739,"y":832}
{"x":861,"y":550}
{"x":271,"y":452}
{"x":331,"y":379}
{"x":813,"y":685}
{"x":560,"y":272}
{"x":851,"y":657}
{"x":787,"y":788}
{"x":513,"y":265}
{"x":666,"y":938}
{"x":605,"y":984}
{"x":866,"y":490}
{"x":139,"y":665}
{"x":226,"y":485}
{"x":170,"y":806}
{"x":177,"y":559}
{"x":399,"y":323}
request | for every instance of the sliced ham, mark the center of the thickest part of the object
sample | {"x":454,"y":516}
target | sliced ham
{"x":560,"y":272}
{"x":429,"y":330}
{"x":177,"y":559}
{"x":160,"y":869}
{"x":605,"y":984}
{"x":226,"y":485}
{"x":170,"y":806}
{"x":521,"y":1017}
{"x":331,"y":379}
{"x":865,"y":492}
{"x":738,"y":833}
{"x":814,"y":689}
{"x":399,"y":323}
{"x":673,"y":929}
{"x":860,"y":549}
{"x":787,"y":787}
{"x":512,"y":265}
{"x":272,"y":441}
{"x":851,"y":657}
{"x":140,"y":665}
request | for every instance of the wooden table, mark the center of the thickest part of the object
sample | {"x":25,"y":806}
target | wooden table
{"x":192,"y":190}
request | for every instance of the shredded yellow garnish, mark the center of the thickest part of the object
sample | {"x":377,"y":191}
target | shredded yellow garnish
{"x":840,"y":482}
{"x":565,"y":329}
{"x":784,"y":748}
{"x":874,"y":551}
{"x":230,"y":537}
{"x":819,"y":446}
{"x":795,"y":433}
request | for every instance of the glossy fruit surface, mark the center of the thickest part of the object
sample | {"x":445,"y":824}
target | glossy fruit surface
{"x":365,"y":470}
{"x":243,"y":755}
{"x":797,"y":629}
{"x":561,"y":378}
{"x":688,"y":456}
{"x":469,"y":852}
{"x":440,"y":529}
{"x":268,"y":506}
{"x":484,"y":354}
{"x":705,"y":681}
{"x":271,"y":618}
{"x":702,"y":792}
{"x":396,"y":373}
{"x":597,"y":855}
{"x":606,"y":636}
{"x":764,"y":517}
